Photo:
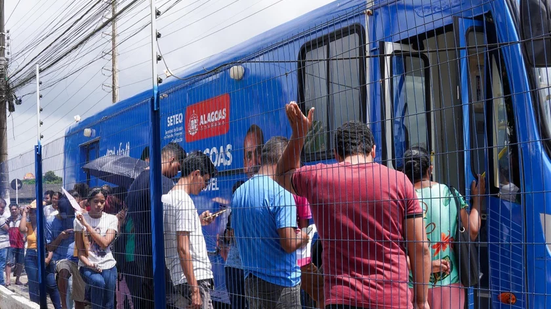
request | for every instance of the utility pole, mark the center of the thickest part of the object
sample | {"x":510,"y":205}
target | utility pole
{"x":114,"y":60}
{"x":4,"y":177}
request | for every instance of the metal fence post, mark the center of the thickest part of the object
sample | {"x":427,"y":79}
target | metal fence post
{"x":40,"y":220}
{"x":40,"y":227}
{"x":155,"y":177}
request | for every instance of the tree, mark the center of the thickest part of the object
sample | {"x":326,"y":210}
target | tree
{"x":29,"y":181}
{"x":51,"y":178}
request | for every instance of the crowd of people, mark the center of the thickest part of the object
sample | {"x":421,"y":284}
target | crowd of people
{"x":352,"y":234}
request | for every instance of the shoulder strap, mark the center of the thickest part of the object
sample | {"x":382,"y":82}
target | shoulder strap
{"x":456,"y":198}
{"x":460,"y":226}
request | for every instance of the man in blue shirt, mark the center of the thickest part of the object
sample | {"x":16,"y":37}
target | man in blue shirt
{"x":60,"y":241}
{"x":265,"y":225}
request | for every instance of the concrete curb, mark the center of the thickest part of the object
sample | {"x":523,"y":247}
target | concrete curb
{"x":12,"y":300}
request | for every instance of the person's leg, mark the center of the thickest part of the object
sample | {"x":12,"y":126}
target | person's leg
{"x":51,"y":286}
{"x":251,"y":288}
{"x":231,"y":286}
{"x":447,"y":297}
{"x":262,"y":294}
{"x":62,"y":284}
{"x":289,"y":298}
{"x":240,"y":288}
{"x":205,"y":286}
{"x":110,"y":279}
{"x":96,"y":283}
{"x":77,"y":286}
{"x":10,"y":263}
{"x":127,"y":297}
{"x":31,"y":268}
{"x":3,"y":257}
{"x":69,"y":298}
{"x":19,"y":261}
{"x":8,"y":274}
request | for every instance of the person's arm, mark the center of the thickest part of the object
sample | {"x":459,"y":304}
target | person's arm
{"x":290,"y":160}
{"x":472,"y":220}
{"x":290,"y":240}
{"x":52,"y":246}
{"x":48,"y":258}
{"x":284,"y":211}
{"x":23,"y":222}
{"x":186,"y":263}
{"x":82,"y":253}
{"x":4,"y":224}
{"x":419,"y":256}
{"x":102,"y":241}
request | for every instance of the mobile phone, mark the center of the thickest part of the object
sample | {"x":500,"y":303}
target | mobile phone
{"x":218,"y":213}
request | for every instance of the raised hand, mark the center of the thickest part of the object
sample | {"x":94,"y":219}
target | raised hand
{"x":478,"y":189}
{"x":298,"y":121}
{"x":81,"y":219}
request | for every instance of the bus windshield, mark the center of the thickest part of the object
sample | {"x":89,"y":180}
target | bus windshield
{"x":543,"y":77}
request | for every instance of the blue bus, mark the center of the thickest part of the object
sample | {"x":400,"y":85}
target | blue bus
{"x":467,"y":79}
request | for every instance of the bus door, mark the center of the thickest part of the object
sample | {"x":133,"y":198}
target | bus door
{"x":89,"y":152}
{"x":491,"y":148}
{"x":407,"y":102}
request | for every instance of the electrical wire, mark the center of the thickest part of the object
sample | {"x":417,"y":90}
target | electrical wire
{"x":29,"y":76}
{"x":212,"y":33}
{"x":15,"y":8}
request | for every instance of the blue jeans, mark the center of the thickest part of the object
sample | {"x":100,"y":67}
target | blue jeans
{"x":31,"y":268}
{"x":3,"y":258}
{"x":102,"y":286}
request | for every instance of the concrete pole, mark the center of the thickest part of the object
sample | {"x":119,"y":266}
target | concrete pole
{"x":114,"y":57}
{"x":4,"y":176}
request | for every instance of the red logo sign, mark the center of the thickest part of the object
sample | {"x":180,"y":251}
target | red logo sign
{"x":208,"y":118}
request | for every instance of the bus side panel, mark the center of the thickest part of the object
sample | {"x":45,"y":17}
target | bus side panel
{"x":127,"y":133}
{"x":536,"y":177}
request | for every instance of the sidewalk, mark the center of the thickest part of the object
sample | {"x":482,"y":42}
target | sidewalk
{"x":23,"y":290}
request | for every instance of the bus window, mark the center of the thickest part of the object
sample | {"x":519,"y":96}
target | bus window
{"x":476,"y":63}
{"x":504,"y":146}
{"x":410,"y":104}
{"x":331,"y":80}
{"x":315,"y":94}
{"x":345,"y":80}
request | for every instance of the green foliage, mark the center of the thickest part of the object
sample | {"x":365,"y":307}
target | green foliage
{"x":51,"y":178}
{"x":28,"y":181}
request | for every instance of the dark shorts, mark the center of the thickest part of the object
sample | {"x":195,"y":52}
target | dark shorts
{"x":266,"y":295}
{"x":15,"y":256}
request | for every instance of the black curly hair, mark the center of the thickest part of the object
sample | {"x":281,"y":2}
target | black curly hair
{"x":353,"y":138}
{"x":416,"y":163}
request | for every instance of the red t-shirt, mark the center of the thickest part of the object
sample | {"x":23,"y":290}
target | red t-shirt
{"x":16,"y":238}
{"x":359,"y":211}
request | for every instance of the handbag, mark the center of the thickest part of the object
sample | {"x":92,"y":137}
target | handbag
{"x":465,"y":250}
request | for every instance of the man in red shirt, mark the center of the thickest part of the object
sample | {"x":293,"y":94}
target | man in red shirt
{"x":366,"y":215}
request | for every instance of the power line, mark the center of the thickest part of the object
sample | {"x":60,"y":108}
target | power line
{"x":15,"y":8}
{"x":30,"y":75}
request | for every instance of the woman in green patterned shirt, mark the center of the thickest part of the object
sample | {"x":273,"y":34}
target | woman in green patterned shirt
{"x":440,"y":214}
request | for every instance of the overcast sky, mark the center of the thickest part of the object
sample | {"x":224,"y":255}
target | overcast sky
{"x":192,"y":30}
